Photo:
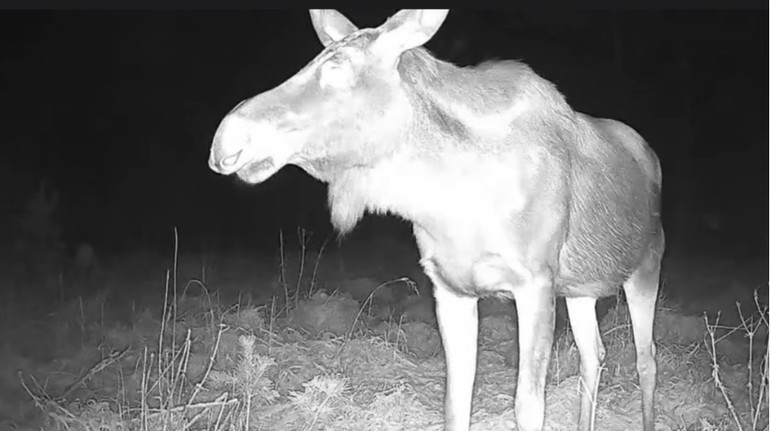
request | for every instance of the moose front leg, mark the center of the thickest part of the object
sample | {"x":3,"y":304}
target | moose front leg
{"x":535,"y":309}
{"x":458,"y":323}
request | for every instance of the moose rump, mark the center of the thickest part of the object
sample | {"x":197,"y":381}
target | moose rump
{"x":511,"y":193}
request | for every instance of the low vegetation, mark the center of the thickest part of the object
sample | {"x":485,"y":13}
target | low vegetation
{"x":310,"y":345}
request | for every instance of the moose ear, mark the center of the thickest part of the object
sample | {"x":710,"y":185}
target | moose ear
{"x":330,"y":25}
{"x":408,"y":29}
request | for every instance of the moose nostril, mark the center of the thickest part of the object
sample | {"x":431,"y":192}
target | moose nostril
{"x":231,"y":160}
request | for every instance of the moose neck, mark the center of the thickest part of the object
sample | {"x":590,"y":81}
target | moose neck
{"x":483,"y":109}
{"x":500,"y":105}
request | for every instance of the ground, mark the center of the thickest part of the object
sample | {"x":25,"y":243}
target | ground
{"x":344,"y":338}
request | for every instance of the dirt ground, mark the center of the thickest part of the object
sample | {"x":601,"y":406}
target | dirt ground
{"x":346,"y":339}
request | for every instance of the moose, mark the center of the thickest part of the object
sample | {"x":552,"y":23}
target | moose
{"x":511,"y":193}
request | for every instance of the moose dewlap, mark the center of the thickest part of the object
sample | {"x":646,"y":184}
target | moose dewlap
{"x":511,"y":192}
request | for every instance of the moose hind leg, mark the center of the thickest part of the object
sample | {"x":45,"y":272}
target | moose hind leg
{"x":642,"y":293}
{"x":582,"y":317}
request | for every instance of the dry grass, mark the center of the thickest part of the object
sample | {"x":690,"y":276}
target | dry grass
{"x":348,"y":355}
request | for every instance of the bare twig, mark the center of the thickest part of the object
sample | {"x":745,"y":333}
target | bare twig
{"x":712,"y":347}
{"x":99,"y":366}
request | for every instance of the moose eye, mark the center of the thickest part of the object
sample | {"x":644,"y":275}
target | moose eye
{"x":336,"y":74}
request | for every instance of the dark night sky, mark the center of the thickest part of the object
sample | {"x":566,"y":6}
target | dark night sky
{"x":118,"y":108}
